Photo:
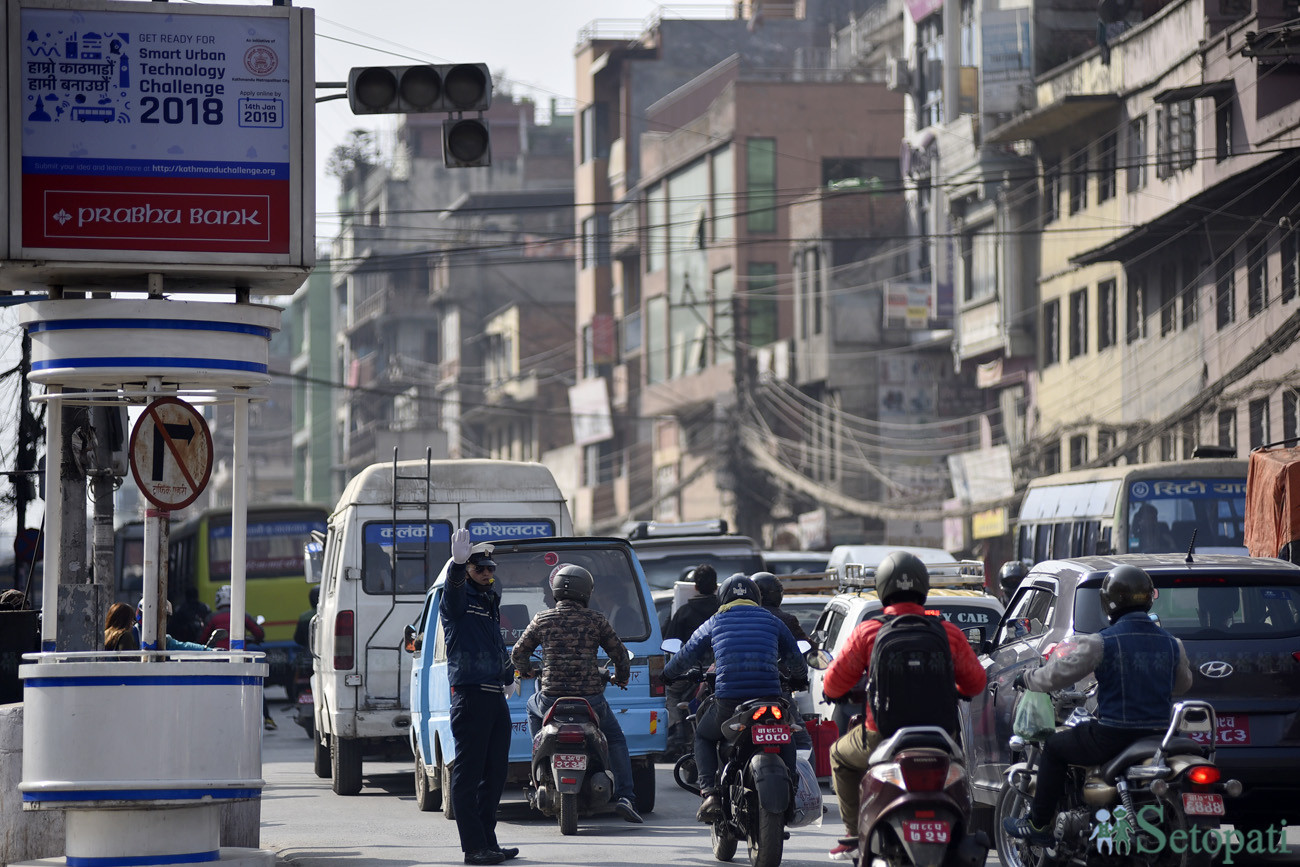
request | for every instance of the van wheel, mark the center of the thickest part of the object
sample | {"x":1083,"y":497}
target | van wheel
{"x":345,"y":765}
{"x":444,"y":774}
{"x":321,"y":760}
{"x":427,"y":798}
{"x":643,"y":786}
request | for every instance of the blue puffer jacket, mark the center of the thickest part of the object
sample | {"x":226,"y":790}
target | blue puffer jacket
{"x":471,"y":617}
{"x":747,"y":641}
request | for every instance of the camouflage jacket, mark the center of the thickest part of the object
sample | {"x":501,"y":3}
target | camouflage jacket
{"x":570,"y":634}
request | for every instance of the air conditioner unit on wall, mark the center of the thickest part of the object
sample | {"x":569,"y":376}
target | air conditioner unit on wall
{"x":898,"y":75}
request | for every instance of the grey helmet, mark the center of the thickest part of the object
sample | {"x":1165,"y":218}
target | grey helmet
{"x":902,"y":573}
{"x":569,"y":581}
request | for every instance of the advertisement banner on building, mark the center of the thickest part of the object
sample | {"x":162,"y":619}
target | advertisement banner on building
{"x":589,"y":410}
{"x":1007,"y":69}
{"x":989,"y":524}
{"x":152,"y":132}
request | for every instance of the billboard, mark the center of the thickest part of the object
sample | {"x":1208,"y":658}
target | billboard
{"x":1007,"y":62}
{"x":160,"y":134}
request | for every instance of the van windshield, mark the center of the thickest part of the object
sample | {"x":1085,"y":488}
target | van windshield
{"x":663,"y":572}
{"x":524,"y":576}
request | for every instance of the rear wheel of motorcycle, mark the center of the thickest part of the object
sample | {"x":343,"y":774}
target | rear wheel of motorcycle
{"x":643,"y":786}
{"x":345,"y":765}
{"x":321,"y":760}
{"x":765,"y":849}
{"x":1012,"y":852}
{"x":724,"y":844}
{"x":567,"y":814}
{"x":427,"y":798}
{"x":444,"y":778}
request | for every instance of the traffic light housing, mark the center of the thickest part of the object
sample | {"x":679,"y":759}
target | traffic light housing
{"x":451,"y":88}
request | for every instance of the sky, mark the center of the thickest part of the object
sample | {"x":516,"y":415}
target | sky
{"x":530,"y":43}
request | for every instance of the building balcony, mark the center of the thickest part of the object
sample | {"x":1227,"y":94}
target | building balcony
{"x":625,"y":230}
{"x":521,"y":388}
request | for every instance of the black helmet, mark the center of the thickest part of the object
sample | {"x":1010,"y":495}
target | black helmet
{"x":1126,"y":588}
{"x":769,"y":588}
{"x":571,"y":582}
{"x":738,"y":587}
{"x":902,"y":573}
{"x":1010,"y":576}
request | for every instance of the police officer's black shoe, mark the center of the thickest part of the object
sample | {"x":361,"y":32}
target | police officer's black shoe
{"x":485,"y":856}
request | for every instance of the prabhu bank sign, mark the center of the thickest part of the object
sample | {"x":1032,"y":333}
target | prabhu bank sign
{"x":161,"y":133}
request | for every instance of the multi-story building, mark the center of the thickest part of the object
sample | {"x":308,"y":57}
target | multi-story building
{"x":309,"y":321}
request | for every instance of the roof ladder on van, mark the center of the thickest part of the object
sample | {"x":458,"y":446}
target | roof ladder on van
{"x":422,"y":554}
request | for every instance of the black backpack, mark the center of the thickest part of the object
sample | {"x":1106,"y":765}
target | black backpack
{"x":910,"y":679}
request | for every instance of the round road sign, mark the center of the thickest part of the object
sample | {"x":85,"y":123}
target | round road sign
{"x":171,"y":453}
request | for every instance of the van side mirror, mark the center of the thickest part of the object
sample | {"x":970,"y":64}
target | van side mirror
{"x":313,"y":560}
{"x":411,"y":642}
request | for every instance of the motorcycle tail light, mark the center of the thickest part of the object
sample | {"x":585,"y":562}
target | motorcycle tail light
{"x":923,"y":773}
{"x":758,"y":713}
{"x":1203,"y":775}
{"x":569,"y":734}
{"x":656,"y":671}
{"x":776,"y":711}
{"x":343,"y":641}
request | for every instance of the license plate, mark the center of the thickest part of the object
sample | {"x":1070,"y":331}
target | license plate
{"x":1234,"y":731}
{"x":305,"y":698}
{"x":566,"y":762}
{"x":771,"y":734}
{"x":1202,"y":804}
{"x":917,"y":831}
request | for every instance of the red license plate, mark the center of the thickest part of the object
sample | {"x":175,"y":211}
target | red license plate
{"x":771,"y":734}
{"x":567,"y":762}
{"x":1234,"y":731}
{"x":930,"y":831}
{"x":1202,"y":804}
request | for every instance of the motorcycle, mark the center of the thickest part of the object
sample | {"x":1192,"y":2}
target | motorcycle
{"x":755,"y":788}
{"x":304,"y":711}
{"x":916,"y":803}
{"x":1133,"y":807}
{"x":571,"y":773}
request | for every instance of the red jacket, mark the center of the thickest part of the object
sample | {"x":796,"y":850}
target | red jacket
{"x":848,"y":667}
{"x":221,"y":620}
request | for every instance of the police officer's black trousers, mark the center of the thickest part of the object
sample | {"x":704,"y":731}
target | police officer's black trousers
{"x":480,"y":723}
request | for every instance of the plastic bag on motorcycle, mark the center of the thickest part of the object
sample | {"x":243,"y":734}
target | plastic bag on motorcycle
{"x":1035,"y":717}
{"x":807,"y":797}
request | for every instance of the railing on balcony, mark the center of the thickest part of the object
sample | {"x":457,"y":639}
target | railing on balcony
{"x":625,"y":229}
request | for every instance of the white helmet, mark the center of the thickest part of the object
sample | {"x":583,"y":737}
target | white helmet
{"x":167,"y":602}
{"x":223,"y":596}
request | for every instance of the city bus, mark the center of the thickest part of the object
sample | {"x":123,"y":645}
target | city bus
{"x":199,"y":558}
{"x":1137,"y":508}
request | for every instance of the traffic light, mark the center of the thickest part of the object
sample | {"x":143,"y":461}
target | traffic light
{"x":451,"y":88}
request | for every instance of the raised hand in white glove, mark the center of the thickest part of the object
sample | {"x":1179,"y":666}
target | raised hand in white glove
{"x":460,"y":545}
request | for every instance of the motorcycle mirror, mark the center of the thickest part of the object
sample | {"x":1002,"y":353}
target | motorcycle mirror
{"x":409,"y":641}
{"x":818,"y":659}
{"x":671,"y":645}
{"x":804,"y":646}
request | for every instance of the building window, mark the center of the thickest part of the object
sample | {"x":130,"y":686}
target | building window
{"x":1228,"y":428}
{"x":599,"y":461}
{"x":724,"y":321}
{"x":1225,"y":302}
{"x":980,"y":264}
{"x":1106,"y":442}
{"x":1137,"y":310}
{"x":1188,"y":435}
{"x":1078,"y":322}
{"x":1190,"y":292}
{"x":760,"y":184}
{"x":1107,"y":314}
{"x":929,"y":70}
{"x":656,"y":228}
{"x":1175,"y":137}
{"x":1256,"y":274}
{"x":1136,"y":154}
{"x":761,"y":301}
{"x":595,"y":241}
{"x":656,"y":339}
{"x":1167,"y":446}
{"x":1079,"y":181}
{"x":1290,"y":265}
{"x":1259,"y":423}
{"x":1106,"y":159}
{"x":1052,"y":193}
{"x":1078,"y":450}
{"x":1051,"y":462}
{"x":595,"y":132}
{"x":1290,"y":415}
{"x":1051,"y":332}
{"x":1168,"y":298}
{"x":1223,"y":109}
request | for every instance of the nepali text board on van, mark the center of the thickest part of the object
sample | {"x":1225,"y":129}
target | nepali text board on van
{"x":384,"y":545}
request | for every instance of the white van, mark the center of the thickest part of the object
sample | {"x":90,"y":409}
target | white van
{"x":361,"y":678}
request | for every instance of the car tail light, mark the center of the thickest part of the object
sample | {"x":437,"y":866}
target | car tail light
{"x":569,"y":734}
{"x":923,"y":773}
{"x":1296,"y":656}
{"x":656,"y":664}
{"x":1047,"y":651}
{"x":1203,"y":775}
{"x":343,"y":641}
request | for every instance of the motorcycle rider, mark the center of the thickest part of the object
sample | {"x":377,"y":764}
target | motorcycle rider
{"x":1010,"y":576}
{"x":747,"y":643}
{"x":682,"y":625}
{"x":1139,"y":668}
{"x":569,"y":634}
{"x":902,"y":584}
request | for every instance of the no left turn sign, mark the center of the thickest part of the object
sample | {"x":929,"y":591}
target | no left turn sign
{"x":171,"y":453}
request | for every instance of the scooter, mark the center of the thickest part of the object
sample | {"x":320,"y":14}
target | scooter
{"x":916,"y":804}
{"x":571,"y":773}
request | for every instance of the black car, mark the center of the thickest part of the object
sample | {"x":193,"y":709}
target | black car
{"x":1239,"y":620}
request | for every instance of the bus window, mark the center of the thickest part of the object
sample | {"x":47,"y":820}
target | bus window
{"x":1091,"y":530}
